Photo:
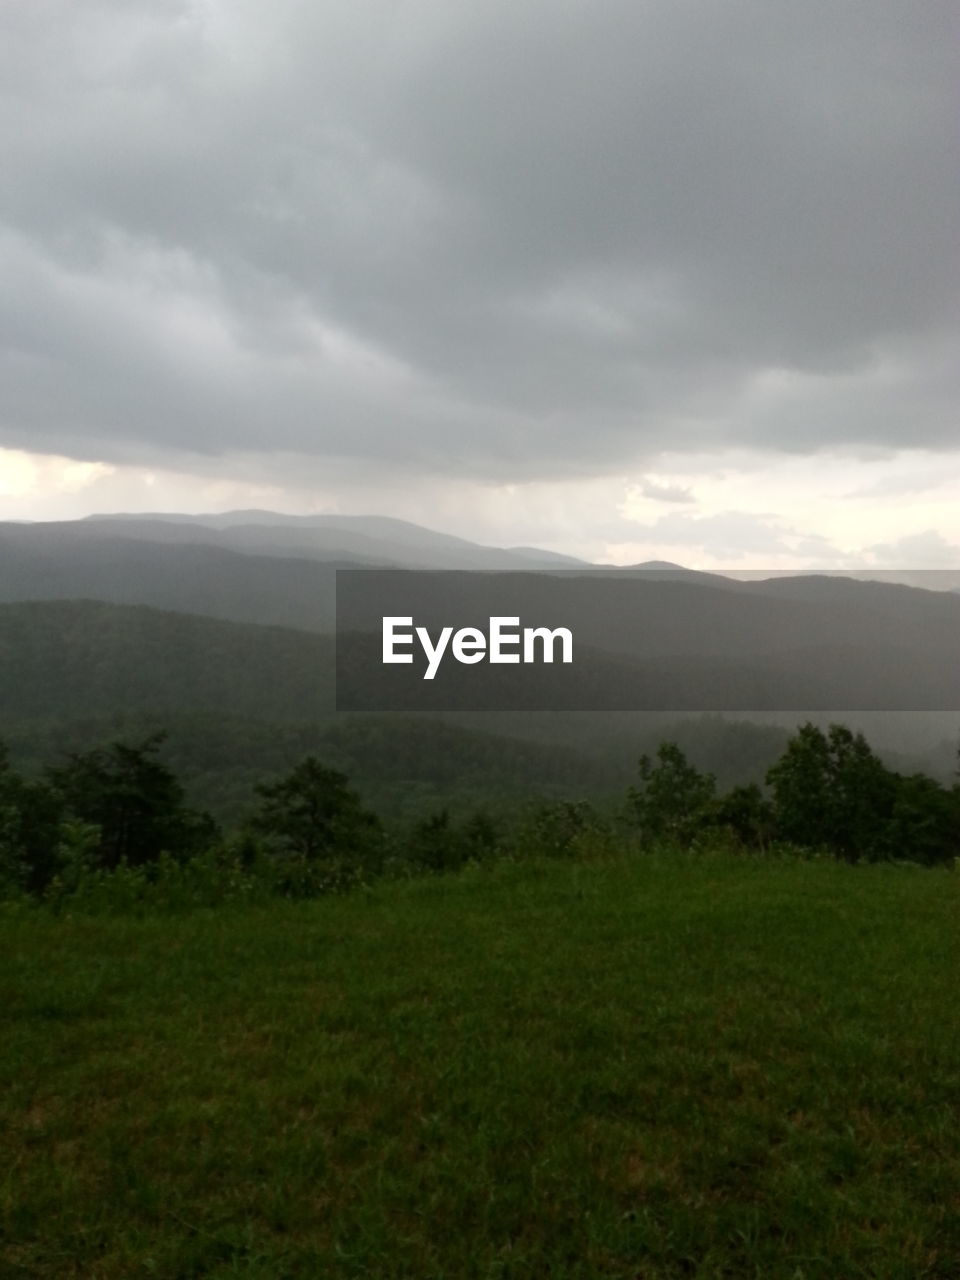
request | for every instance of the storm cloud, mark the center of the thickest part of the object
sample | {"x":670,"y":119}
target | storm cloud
{"x":499,"y":240}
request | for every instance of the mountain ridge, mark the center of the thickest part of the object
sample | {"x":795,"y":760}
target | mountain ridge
{"x":377,"y":538}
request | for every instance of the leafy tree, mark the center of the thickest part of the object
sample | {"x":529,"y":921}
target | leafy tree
{"x":801,"y":785}
{"x":30,"y":817}
{"x":480,"y":835}
{"x":313,"y":814}
{"x":747,"y":814}
{"x":436,"y":844}
{"x":924,"y":825}
{"x":864,"y":794}
{"x":830,"y":790}
{"x":134,"y":800}
{"x":675,"y":799}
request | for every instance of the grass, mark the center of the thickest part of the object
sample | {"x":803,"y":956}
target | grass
{"x":698,"y":1066}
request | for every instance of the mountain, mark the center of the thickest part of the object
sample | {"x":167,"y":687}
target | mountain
{"x":81,"y":658}
{"x":240,"y":703}
{"x":244,"y":701}
{"x":59,"y":562}
{"x":648,"y":615}
{"x":367,"y":539}
{"x":667,"y":571}
{"x":549,"y":558}
{"x":648,"y":637}
{"x":823,"y":588}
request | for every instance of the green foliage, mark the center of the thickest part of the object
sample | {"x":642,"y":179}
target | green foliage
{"x":313,"y":815}
{"x":119,"y":811}
{"x":77,"y":859}
{"x":924,"y":824}
{"x":674,"y":802}
{"x":566,"y":829}
{"x":213,"y":878}
{"x":134,"y":801}
{"x":30,"y":817}
{"x":747,"y":814}
{"x":437,"y":843}
{"x":830,"y":790}
{"x":13,"y":865}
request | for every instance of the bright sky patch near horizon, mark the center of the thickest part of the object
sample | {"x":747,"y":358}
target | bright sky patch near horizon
{"x":673,"y":281}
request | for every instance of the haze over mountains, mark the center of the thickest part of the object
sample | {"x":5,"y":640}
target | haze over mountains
{"x":232,"y":615}
{"x":364,"y":539}
{"x":259,"y":567}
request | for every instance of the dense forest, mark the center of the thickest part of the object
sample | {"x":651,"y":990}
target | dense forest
{"x":242,"y":702}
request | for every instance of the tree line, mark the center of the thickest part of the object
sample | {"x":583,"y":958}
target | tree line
{"x":120,"y":811}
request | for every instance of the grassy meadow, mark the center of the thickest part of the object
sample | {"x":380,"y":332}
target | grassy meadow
{"x":657,"y":1066}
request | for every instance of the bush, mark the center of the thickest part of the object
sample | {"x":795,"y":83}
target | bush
{"x":565,"y":829}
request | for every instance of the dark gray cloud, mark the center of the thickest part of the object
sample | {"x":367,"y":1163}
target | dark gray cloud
{"x":507,"y":240}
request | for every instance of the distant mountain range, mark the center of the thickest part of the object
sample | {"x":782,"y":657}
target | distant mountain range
{"x":362,"y":539}
{"x":222,"y":625}
{"x":650,"y":636}
{"x":244,"y":566}
{"x":88,"y":561}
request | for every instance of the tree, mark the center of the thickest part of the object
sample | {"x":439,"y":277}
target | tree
{"x":831,"y":791}
{"x":563,"y":827}
{"x":134,"y":800}
{"x":30,"y":817}
{"x":480,"y":835}
{"x":925,"y":820}
{"x":746,"y":813}
{"x":436,"y":844}
{"x":675,"y":798}
{"x":313,"y":813}
{"x":800,"y":780}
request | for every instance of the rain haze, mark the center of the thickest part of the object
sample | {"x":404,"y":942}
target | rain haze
{"x":625,"y":281}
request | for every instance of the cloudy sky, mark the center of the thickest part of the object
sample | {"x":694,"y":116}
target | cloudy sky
{"x":625,"y":278}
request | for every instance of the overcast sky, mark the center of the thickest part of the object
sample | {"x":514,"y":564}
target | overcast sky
{"x":671,"y":278}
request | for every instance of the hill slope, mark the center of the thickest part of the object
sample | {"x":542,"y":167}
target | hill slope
{"x":54,"y":562}
{"x":83,"y":658}
{"x":369,"y":539}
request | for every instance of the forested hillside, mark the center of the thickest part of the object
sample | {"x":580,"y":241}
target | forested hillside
{"x":61,"y":563}
{"x":240,"y":701}
{"x":86,"y":658}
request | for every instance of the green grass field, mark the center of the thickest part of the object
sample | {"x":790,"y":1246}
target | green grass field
{"x":691,"y":1066}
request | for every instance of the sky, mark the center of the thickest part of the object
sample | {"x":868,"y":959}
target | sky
{"x":629,"y":279}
